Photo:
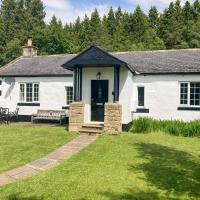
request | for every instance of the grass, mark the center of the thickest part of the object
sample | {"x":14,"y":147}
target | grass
{"x":173,"y":127}
{"x":22,"y":144}
{"x":124,"y":167}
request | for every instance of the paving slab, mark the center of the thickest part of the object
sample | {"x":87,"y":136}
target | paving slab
{"x":51,"y":160}
{"x":25,"y":174}
{"x":16,"y":171}
{"x":5,"y":179}
{"x":43,"y":164}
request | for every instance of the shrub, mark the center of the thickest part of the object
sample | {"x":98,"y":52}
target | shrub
{"x":142,"y":125}
{"x":174,"y":127}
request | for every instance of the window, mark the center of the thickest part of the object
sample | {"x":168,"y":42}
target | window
{"x":190,"y":94}
{"x":140,"y":96}
{"x":195,"y":94}
{"x":22,"y":94}
{"x":184,"y":93}
{"x":29,"y":92}
{"x":69,"y":96}
{"x":36,"y":92}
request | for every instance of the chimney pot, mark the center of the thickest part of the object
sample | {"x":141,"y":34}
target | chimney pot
{"x":30,"y":42}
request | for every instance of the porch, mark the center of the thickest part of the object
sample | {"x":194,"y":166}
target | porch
{"x":96,"y":106}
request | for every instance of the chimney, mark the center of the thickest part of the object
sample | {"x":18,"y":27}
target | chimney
{"x":29,"y":50}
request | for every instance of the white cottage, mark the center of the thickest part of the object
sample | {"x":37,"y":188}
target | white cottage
{"x":108,"y":88}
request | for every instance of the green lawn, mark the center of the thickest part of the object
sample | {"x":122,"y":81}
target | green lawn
{"x":123,"y":167}
{"x":22,"y":144}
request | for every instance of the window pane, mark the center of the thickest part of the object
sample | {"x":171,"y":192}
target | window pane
{"x":69,"y":95}
{"x":36,"y":92}
{"x":29,"y":92}
{"x":195,"y":94}
{"x":140,"y":96}
{"x":184,"y":93}
{"x":21,"y":93}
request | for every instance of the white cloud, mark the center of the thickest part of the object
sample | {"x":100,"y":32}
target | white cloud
{"x":64,"y":10}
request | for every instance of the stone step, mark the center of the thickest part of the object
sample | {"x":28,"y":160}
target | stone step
{"x":93,"y":126}
{"x":90,"y":131}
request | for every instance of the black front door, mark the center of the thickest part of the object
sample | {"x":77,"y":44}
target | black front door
{"x":99,"y":96}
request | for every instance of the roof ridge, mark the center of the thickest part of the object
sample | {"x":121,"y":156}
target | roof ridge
{"x":54,"y":55}
{"x":149,"y":51}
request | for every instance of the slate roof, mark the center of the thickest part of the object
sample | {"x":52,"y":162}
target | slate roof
{"x":94,"y":56}
{"x":162,"y":62}
{"x":148,"y":62}
{"x":37,"y":66}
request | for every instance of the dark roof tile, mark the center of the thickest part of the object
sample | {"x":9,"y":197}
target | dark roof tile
{"x":37,"y":66}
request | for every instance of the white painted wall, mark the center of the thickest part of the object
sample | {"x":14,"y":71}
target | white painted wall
{"x":162,"y":93}
{"x":126,"y":94}
{"x":162,"y":96}
{"x":51,"y":90}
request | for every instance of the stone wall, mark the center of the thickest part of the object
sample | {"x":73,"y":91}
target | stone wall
{"x":76,"y":116}
{"x":113,"y":118}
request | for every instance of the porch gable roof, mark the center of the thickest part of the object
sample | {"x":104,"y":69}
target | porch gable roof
{"x":95,"y":57}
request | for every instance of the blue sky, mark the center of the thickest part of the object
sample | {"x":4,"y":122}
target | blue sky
{"x":69,"y":10}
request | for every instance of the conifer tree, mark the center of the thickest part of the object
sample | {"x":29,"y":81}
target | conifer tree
{"x":96,"y":28}
{"x":188,"y":12}
{"x":153,"y":17}
{"x":86,"y":33}
{"x":139,"y":24}
{"x":9,"y":19}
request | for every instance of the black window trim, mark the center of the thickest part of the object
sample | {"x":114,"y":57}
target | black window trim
{"x":66,"y":89}
{"x":138,"y":106}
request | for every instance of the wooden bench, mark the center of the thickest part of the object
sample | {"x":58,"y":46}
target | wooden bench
{"x":52,"y":115}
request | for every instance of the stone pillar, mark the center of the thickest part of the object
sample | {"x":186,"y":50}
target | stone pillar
{"x":113,"y":118}
{"x":76,"y":116}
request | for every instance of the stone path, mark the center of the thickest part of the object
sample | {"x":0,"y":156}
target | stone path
{"x":53,"y":159}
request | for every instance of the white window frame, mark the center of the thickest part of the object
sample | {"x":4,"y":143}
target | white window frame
{"x":66,"y":88}
{"x":25,"y":94}
{"x":188,"y":95}
{"x":139,"y":86}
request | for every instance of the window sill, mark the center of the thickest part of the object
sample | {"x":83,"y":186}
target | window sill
{"x":65,"y":107}
{"x":189,"y":108}
{"x":141,"y":110}
{"x":28,"y":104}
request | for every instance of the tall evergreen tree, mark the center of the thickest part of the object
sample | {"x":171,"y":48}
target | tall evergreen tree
{"x":139,"y":24}
{"x":86,"y":33}
{"x":196,"y":9}
{"x":36,"y":14}
{"x":153,"y":17}
{"x":111,"y":22}
{"x":96,"y":28}
{"x":171,"y":26}
{"x":188,"y":12}
{"x":9,"y":18}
